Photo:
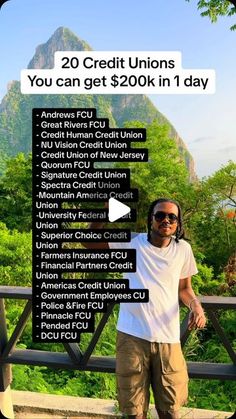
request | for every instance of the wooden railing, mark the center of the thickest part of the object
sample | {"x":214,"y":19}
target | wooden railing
{"x":73,"y":358}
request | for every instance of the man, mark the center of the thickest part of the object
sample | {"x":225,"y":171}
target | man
{"x":148,"y":340}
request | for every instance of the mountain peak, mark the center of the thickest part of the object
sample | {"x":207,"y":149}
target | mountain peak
{"x":117,"y":108}
{"x":60,"y":31}
{"x":63,"y":39}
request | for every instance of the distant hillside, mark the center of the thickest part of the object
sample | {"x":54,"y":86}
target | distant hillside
{"x":15,"y":108}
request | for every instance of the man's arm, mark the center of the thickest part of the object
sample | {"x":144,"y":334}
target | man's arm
{"x":96,"y":245}
{"x":187,"y":296}
{"x":98,"y":225}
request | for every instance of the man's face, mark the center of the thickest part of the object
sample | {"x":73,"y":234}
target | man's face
{"x":166,"y":221}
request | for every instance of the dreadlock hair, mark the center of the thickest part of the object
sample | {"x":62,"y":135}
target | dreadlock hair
{"x":179,"y":234}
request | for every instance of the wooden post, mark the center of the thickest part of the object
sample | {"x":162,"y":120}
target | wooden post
{"x":6,"y":407}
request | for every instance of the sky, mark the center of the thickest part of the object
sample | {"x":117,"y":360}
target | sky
{"x":206,"y":123}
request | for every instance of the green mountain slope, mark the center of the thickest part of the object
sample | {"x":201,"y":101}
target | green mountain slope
{"x":15,"y":108}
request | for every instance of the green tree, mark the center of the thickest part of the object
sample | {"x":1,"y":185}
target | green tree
{"x":211,"y":219}
{"x":16,"y":193}
{"x":222,"y":185}
{"x":15,"y":257}
{"x":215,"y":8}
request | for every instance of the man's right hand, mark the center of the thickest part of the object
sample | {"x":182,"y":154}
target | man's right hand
{"x":98,"y":225}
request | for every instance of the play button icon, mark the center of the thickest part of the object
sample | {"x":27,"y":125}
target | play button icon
{"x":116,"y":210}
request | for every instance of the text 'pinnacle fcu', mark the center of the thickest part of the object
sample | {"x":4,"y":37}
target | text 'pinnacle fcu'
{"x":68,"y":145}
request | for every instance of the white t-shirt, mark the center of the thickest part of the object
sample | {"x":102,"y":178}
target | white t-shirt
{"x":158,"y":270}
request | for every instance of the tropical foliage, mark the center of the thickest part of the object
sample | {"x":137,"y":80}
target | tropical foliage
{"x":215,"y":8}
{"x":209,"y":217}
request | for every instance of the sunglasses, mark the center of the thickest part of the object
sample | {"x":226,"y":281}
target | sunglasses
{"x":161,"y":215}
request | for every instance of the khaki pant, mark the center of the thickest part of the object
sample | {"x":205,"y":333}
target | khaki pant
{"x":141,"y":364}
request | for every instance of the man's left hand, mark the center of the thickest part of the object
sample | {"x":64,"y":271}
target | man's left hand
{"x":197,"y":318}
